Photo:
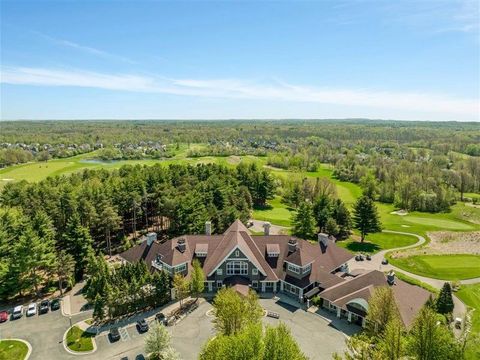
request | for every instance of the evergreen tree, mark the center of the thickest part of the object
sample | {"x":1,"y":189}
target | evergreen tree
{"x":444,"y":303}
{"x":303,"y":222}
{"x":78,"y":243}
{"x":64,"y":269}
{"x":341,"y":215}
{"x":365,"y":217}
{"x":322,"y":210}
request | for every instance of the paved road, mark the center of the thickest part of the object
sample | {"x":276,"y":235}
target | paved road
{"x":43,"y":332}
{"x":274,"y":229}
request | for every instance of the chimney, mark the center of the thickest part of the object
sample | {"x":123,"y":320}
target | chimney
{"x":266,"y":228}
{"x":208,"y":228}
{"x":181,"y":245}
{"x":323,"y":239}
{"x":292,"y":245}
{"x":151,"y":237}
{"x":391,"y":278}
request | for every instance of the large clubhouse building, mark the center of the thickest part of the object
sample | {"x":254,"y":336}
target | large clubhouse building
{"x":277,"y":263}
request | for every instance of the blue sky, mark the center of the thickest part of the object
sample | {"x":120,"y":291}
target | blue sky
{"x":220,"y":60}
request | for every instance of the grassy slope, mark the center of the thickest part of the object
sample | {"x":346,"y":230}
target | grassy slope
{"x":78,"y":340}
{"x":470,"y":295}
{"x":448,"y":267}
{"x":377,"y":242}
{"x":12,"y":349}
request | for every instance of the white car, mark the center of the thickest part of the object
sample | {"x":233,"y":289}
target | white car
{"x":17,"y":312}
{"x":32,"y":309}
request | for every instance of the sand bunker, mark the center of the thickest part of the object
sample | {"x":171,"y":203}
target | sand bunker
{"x":400,"y":212}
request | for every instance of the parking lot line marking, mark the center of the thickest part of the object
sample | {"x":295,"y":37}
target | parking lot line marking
{"x":124,"y":334}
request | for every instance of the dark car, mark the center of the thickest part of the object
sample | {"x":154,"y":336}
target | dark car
{"x":142,"y":326}
{"x":114,"y":334}
{"x":3,"y":316}
{"x":55,"y":304}
{"x":161,"y":318}
{"x":384,"y":262}
{"x":368,"y":257}
{"x":44,"y":307}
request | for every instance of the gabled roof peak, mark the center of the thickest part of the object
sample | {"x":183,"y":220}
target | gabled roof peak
{"x":237,"y":226}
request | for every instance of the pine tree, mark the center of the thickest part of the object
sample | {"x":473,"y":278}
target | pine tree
{"x":365,"y":217}
{"x":323,"y":210}
{"x":77,"y":242}
{"x":304,"y":222}
{"x":445,"y":303}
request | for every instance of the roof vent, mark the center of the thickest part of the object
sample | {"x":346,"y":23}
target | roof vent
{"x":181,"y":246}
{"x":292,"y":245}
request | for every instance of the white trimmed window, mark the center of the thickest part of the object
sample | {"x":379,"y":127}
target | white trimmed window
{"x":254,"y":271}
{"x":219,"y":284}
{"x":181,"y":268}
{"x":237,"y":268}
{"x":219,"y":271}
{"x":255,"y":284}
{"x":307,"y":268}
{"x":294,"y":268}
{"x":237,"y":253}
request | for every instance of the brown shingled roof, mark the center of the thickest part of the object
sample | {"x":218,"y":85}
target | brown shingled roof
{"x":409,"y":298}
{"x":324,"y":260}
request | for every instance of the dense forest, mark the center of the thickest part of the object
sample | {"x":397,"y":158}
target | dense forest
{"x":97,"y":211}
{"x":63,"y":220}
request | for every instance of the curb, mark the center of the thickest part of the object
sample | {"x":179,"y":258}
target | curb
{"x":79,"y":353}
{"x":29,"y":346}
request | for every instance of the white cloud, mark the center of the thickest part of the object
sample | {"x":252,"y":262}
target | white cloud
{"x":241,"y":89}
{"x":85,"y":49}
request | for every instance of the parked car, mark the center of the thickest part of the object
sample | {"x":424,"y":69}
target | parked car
{"x":32,"y":309}
{"x":368,"y":257}
{"x":44,"y":307}
{"x":17,"y":312}
{"x":161,"y":318}
{"x":114,"y":334}
{"x":359,"y":257}
{"x":55,"y":304}
{"x":142,"y":326}
{"x":3,"y":316}
{"x":384,"y":262}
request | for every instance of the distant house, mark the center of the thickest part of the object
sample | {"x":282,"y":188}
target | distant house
{"x":275,"y":263}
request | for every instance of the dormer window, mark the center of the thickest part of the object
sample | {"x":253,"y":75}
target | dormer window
{"x":273,"y":250}
{"x":201,"y":250}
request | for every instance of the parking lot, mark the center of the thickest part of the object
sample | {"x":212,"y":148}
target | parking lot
{"x":317,"y":339}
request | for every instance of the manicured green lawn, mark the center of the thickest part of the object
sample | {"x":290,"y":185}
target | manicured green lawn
{"x":448,"y":267}
{"x":377,"y":242}
{"x":78,"y":340}
{"x":470,"y":295}
{"x":12,"y":349}
{"x":275,"y":212}
{"x":440,"y":223}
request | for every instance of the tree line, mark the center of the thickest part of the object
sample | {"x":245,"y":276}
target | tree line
{"x":99,"y":210}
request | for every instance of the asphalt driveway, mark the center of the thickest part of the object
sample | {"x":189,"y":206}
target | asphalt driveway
{"x":316,"y":337}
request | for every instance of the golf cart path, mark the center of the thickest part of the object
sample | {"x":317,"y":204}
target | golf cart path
{"x":376,"y":263}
